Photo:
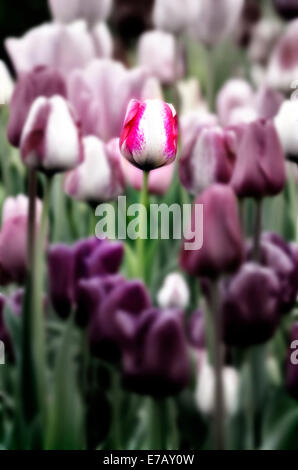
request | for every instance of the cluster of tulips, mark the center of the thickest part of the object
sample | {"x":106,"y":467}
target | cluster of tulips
{"x":145,"y":344}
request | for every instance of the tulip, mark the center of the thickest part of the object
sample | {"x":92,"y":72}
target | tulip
{"x":283,"y":65}
{"x":51,"y":138}
{"x":92,"y":11}
{"x":287,"y":9}
{"x":205,"y":390}
{"x":250,"y":307}
{"x":150,"y":134}
{"x":158,"y":334}
{"x":174,"y":292}
{"x":292,"y":363}
{"x":260,"y":166}
{"x":99,"y":178}
{"x":222,"y":249}
{"x":103,"y":41}
{"x":42,"y":81}
{"x":215,"y":20}
{"x":6,"y":84}
{"x":161,"y":62}
{"x":211,"y":159}
{"x":268,"y":102}
{"x":13,"y":239}
{"x":100,"y":94}
{"x":286,"y":123}
{"x":59,"y":46}
{"x":69,"y":265}
{"x":236,"y":93}
{"x":174,"y":17}
{"x":159,"y":179}
{"x":115,"y":321}
{"x":264,"y":37}
{"x":196,"y":330}
{"x":244,"y":115}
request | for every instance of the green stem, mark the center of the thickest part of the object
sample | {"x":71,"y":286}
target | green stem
{"x":116,"y":421}
{"x":256,"y":379}
{"x":158,"y":424}
{"x":143,"y":228}
{"x":257,"y":230}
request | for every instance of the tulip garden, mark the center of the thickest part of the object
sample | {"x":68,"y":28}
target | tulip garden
{"x":118,"y":332}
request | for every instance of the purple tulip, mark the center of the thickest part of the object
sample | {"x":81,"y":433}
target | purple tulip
{"x":222,"y":249}
{"x":156,"y":362}
{"x":250,"y":308}
{"x":196,"y":330}
{"x":61,"y":270}
{"x":260,"y":167}
{"x":51,"y":139}
{"x":42,"y":81}
{"x":100,"y":94}
{"x":211,"y":159}
{"x":287,"y":9}
{"x":292,"y":363}
{"x":13,"y":239}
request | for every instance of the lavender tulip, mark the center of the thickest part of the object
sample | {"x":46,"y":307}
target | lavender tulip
{"x":222,"y":249}
{"x":100,"y":94}
{"x":92,"y":11}
{"x":268,"y":102}
{"x":174,"y":17}
{"x":13,"y":239}
{"x":251,"y":306}
{"x":99,"y":178}
{"x":51,"y":138}
{"x":42,"y":81}
{"x":260,"y":166}
{"x":156,"y":362}
{"x":235,"y":93}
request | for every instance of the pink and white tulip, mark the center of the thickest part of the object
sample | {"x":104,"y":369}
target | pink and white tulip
{"x":64,"y":47}
{"x":160,"y":61}
{"x":92,"y":11}
{"x":99,"y":178}
{"x":149,"y":137}
{"x":174,"y":16}
{"x":13,"y":238}
{"x":236,"y":93}
{"x":6,"y":84}
{"x":286,"y":124}
{"x":174,"y":292}
{"x":51,"y":138}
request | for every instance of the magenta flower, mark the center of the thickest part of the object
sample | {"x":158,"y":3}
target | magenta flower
{"x":92,"y":11}
{"x":150,"y":134}
{"x":13,"y":239}
{"x":51,"y":138}
{"x":222,"y":249}
{"x":42,"y":81}
{"x":100,"y":94}
{"x":99,"y":178}
{"x":260,"y":167}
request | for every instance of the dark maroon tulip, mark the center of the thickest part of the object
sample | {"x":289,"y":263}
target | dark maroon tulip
{"x":116,"y":319}
{"x":292,"y":363}
{"x":196,"y":330}
{"x":260,"y":167}
{"x":42,"y":81}
{"x":287,"y":9}
{"x":107,"y":258}
{"x":222,"y":249}
{"x":157,"y":362}
{"x":250,"y":307}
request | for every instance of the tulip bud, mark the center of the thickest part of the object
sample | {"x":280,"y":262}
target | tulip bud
{"x":159,"y":180}
{"x":222,"y":249}
{"x":99,"y":178}
{"x":158,"y":334}
{"x":215,"y":20}
{"x":211,"y":160}
{"x":6,"y":84}
{"x":260,"y":167}
{"x":42,"y":81}
{"x":235,"y":93}
{"x":205,"y":391}
{"x":286,"y":127}
{"x":287,"y":9}
{"x":282,"y":68}
{"x":250,"y":308}
{"x":292,"y":363}
{"x":160,"y":61}
{"x":68,"y":11}
{"x":175,"y":16}
{"x":174,"y":292}
{"x":150,"y":134}
{"x":51,"y":139}
{"x":13,"y":239}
